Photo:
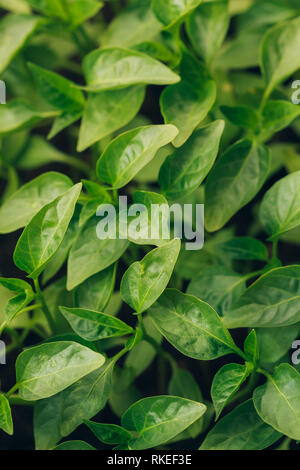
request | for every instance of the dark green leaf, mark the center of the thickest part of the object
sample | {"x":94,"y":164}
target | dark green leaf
{"x":110,"y":68}
{"x":183,"y":171}
{"x":241,"y":429}
{"x":226,"y":383}
{"x":145,"y":280}
{"x":106,"y":112}
{"x":191,"y":326}
{"x":187,"y":103}
{"x":159,"y":419}
{"x":44,"y":234}
{"x":22,"y":205}
{"x":93,"y":326}
{"x":273,"y":300}
{"x":207,"y":27}
{"x":47,"y":369}
{"x":6,"y":422}
{"x":278,"y":401}
{"x":130,"y":152}
{"x":237,"y":177}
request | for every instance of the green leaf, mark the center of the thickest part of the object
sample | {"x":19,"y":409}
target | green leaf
{"x":44,"y":234}
{"x":144,"y":281}
{"x":234,"y":181}
{"x":80,"y":11}
{"x":142,"y":355}
{"x":58,"y":416}
{"x":18,"y":6}
{"x":106,"y":112}
{"x":57,"y":90}
{"x":126,"y":155}
{"x":245,"y":248}
{"x":241,"y":429}
{"x":159,"y":419}
{"x":6,"y":422}
{"x":226,"y":383}
{"x":271,"y":301}
{"x":15,"y":30}
{"x":39,"y":152}
{"x":124,"y":393}
{"x":47,"y":369}
{"x":53,"y":8}
{"x":94,"y":326}
{"x":115,"y":67}
{"x":274,"y":343}
{"x":191,"y":326}
{"x":109,"y":433}
{"x":22,"y":205}
{"x":95,"y":292}
{"x":155,"y":49}
{"x":251,"y":347}
{"x":185,"y":169}
{"x":64,"y":120}
{"x":219,"y":286}
{"x":241,"y":116}
{"x":278,"y":401}
{"x":132,"y":25}
{"x":74,"y":445}
{"x":153,"y":209}
{"x":279,"y":56}
{"x":267,"y":13}
{"x":61,"y":255}
{"x":243,"y":51}
{"x":207,"y":27}
{"x":170,"y":12}
{"x":24,"y":296}
{"x":187,"y":103}
{"x":278,"y":115}
{"x":280,"y":209}
{"x":183,"y":384}
{"x":89,"y":255}
{"x":17,"y":115}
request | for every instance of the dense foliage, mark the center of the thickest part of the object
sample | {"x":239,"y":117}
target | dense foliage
{"x":141,"y":344}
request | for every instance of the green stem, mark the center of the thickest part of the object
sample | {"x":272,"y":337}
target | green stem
{"x":45,"y":309}
{"x":246,"y":390}
{"x":141,"y":324}
{"x":120,"y":354}
{"x":264,"y":99}
{"x":90,"y":43}
{"x":12,"y":390}
{"x":30,"y":308}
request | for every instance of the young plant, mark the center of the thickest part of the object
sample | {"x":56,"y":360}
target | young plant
{"x":110,"y":317}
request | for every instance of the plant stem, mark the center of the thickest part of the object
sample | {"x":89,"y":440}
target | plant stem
{"x":141,"y":324}
{"x":45,"y":309}
{"x":120,"y":354}
{"x":247,"y":389}
{"x":12,"y":390}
